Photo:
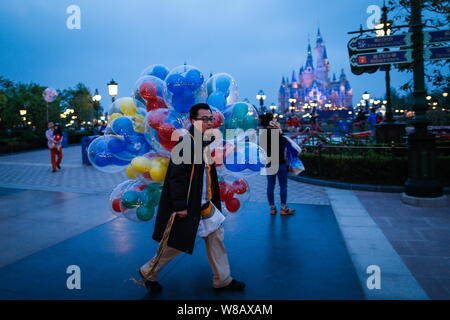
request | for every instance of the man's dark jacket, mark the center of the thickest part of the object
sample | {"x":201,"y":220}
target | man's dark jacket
{"x":173,"y":198}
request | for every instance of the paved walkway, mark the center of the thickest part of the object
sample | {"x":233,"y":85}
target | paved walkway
{"x":51,"y":220}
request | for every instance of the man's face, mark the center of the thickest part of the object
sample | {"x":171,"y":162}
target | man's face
{"x":50,"y":125}
{"x":204,"y":120}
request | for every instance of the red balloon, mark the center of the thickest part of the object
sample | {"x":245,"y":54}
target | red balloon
{"x":140,"y":187}
{"x":218,"y":119}
{"x":146,"y":175}
{"x":116,"y":205}
{"x":156,"y":117}
{"x":156,"y":103}
{"x":233,"y":204}
{"x":148,"y":90}
{"x":226,"y":192}
{"x":239,"y":186}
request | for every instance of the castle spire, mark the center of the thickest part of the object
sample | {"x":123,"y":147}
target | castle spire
{"x":319,"y":37}
{"x":309,"y":59}
{"x":294,"y":78}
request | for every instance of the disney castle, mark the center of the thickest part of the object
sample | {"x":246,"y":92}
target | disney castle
{"x":314,"y":86}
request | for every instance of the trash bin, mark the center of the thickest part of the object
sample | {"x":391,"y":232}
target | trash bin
{"x":65,"y":140}
{"x":85,"y":142}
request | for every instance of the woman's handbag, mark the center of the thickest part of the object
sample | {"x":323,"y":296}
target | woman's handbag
{"x":293,"y":151}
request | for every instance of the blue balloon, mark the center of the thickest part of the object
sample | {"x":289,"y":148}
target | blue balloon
{"x":217,"y":99}
{"x":103,"y":159}
{"x":116,"y":145}
{"x":176,"y":84}
{"x":183,"y":103}
{"x":160,"y":72}
{"x":123,"y":126}
{"x":119,"y":162}
{"x":137,"y":144}
{"x":194,"y":79}
{"x":223,"y":84}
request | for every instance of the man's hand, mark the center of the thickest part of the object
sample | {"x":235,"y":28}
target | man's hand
{"x":181,"y":214}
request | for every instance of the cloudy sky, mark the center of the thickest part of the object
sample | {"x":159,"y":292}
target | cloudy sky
{"x":256,"y":41}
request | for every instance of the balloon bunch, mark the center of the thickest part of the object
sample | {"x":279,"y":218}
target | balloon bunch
{"x":222,"y":91}
{"x":49,"y":94}
{"x":186,"y":86}
{"x":135,"y":200}
{"x":233,"y":191}
{"x":143,"y":130}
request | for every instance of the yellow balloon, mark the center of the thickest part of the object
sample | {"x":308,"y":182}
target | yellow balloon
{"x":127,"y":106}
{"x":141,"y":164}
{"x":114,"y":116}
{"x":158,"y":172}
{"x":163,"y":161}
{"x":130,"y":172}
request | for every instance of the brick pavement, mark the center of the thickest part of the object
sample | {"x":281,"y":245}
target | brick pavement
{"x":421,"y":236}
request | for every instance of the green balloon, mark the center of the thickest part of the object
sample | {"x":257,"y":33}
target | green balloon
{"x":145,"y":213}
{"x":249,"y":122}
{"x":153,"y":192}
{"x":240,"y":109}
{"x":130,"y":199}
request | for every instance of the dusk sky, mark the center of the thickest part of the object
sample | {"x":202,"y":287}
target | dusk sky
{"x":257,"y":42}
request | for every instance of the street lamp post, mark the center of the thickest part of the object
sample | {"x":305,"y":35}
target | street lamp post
{"x":113,"y":89}
{"x":273,"y":107}
{"x":261,"y":97}
{"x":96,"y":98}
{"x":422,"y":179}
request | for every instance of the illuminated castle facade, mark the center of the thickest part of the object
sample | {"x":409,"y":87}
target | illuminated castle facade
{"x":312,"y":84}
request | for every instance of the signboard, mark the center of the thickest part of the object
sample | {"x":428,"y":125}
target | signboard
{"x":381,"y":58}
{"x":436,"y":36}
{"x":362,"y":44}
{"x":437,"y":53}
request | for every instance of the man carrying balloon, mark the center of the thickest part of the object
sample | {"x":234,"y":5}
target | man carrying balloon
{"x":55,"y":152}
{"x":190,"y":193}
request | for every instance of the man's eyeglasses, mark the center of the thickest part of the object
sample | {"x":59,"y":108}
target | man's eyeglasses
{"x":206,"y":119}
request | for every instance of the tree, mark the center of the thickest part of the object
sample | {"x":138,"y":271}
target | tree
{"x":79,"y":99}
{"x":436,"y":15}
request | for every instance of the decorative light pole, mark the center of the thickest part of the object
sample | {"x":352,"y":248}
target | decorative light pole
{"x":422,"y":178}
{"x":113,"y":89}
{"x":366,"y":97}
{"x":273,"y":107}
{"x":96,"y":98}
{"x":261,"y":97}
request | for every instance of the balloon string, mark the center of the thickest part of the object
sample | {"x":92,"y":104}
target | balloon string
{"x":161,"y":248}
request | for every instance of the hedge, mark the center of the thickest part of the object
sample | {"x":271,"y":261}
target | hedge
{"x":372,"y":169}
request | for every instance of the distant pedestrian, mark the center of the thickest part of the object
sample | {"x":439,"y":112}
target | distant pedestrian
{"x":273,"y":127}
{"x":372,"y":122}
{"x":55,"y":154}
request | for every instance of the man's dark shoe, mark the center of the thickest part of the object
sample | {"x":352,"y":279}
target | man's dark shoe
{"x":53,"y":170}
{"x":59,"y":167}
{"x":153,"y":286}
{"x":234,"y":285}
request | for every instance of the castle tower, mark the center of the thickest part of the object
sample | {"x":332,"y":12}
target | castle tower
{"x":308,"y":73}
{"x":322,"y":66}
